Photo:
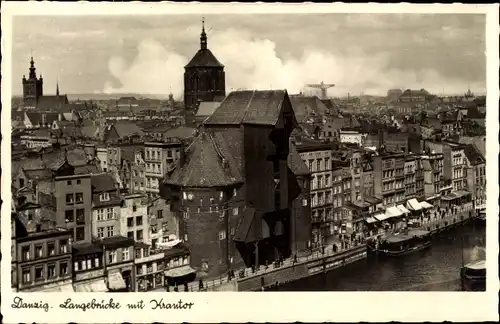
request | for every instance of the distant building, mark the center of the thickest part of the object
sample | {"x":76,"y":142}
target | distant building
{"x":33,"y":97}
{"x":394,"y":94}
{"x":204,"y":77}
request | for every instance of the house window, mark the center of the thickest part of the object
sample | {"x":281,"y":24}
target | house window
{"x":111,"y":231}
{"x":139,"y":235}
{"x":80,"y":216}
{"x":38,"y":251}
{"x":96,"y":262}
{"x":138,"y":221}
{"x":63,"y":246}
{"x":39,"y":273}
{"x":130,"y":234}
{"x":69,"y":199}
{"x":222,"y":235}
{"x":26,"y":253}
{"x":78,"y":181}
{"x":80,"y":233}
{"x":125,"y":255}
{"x":100,"y":214}
{"x":79,"y":198}
{"x":235,"y":211}
{"x":112,"y":257}
{"x":138,"y":255}
{"x":63,"y":269}
{"x":159,"y":214}
{"x":69,"y":216}
{"x":110,"y":213}
{"x":51,"y":248}
{"x":89,"y":264}
{"x":304,"y":202}
{"x":51,"y":270}
{"x":26,"y":275}
{"x":186,"y":215}
{"x":69,"y":182}
{"x":154,"y":229}
{"x":130,"y":221}
{"x":232,"y":231}
{"x":104,"y":196}
{"x":134,"y":208}
{"x":100,"y":232}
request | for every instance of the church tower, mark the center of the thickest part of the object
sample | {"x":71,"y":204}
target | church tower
{"x":32,"y":87}
{"x":204,"y":77}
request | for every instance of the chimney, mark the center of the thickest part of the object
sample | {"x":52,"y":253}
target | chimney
{"x":182,"y":154}
{"x":380,"y":138}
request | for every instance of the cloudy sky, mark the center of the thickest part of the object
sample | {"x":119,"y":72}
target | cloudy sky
{"x":360,"y":53}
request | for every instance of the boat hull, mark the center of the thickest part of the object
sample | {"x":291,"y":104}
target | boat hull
{"x":399,"y":253}
{"x":475,"y":282}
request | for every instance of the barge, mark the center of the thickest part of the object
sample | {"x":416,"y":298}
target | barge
{"x":402,"y":244}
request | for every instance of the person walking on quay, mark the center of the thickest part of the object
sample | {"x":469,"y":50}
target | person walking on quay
{"x":295,"y":258}
{"x":334,"y":248}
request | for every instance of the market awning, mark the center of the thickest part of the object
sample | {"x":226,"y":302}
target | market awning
{"x":169,"y":244}
{"x":426,"y":205}
{"x":179,"y":272}
{"x":381,"y":217}
{"x":115,"y":281}
{"x":393,"y":212}
{"x":93,"y":286}
{"x":371,"y":220}
{"x":414,"y":204}
{"x":403,"y":209}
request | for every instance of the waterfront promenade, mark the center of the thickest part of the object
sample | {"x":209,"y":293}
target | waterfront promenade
{"x":435,"y":221}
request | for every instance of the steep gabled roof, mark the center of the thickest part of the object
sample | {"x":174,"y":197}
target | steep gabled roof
{"x":51,"y":102}
{"x":296,"y":164}
{"x":473,"y":154}
{"x":102,"y":183}
{"x":305,"y":106}
{"x":204,"y":58}
{"x":205,"y":165}
{"x":249,"y":107}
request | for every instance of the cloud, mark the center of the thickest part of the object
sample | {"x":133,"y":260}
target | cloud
{"x":154,"y":71}
{"x":253,"y":63}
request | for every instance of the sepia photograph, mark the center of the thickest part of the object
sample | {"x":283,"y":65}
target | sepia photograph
{"x":249,"y":152}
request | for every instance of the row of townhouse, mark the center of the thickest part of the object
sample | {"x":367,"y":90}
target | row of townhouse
{"x":347,"y":181}
{"x":91,"y":237}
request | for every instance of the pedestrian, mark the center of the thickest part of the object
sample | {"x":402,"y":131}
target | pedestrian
{"x":186,"y":288}
{"x":295,"y":258}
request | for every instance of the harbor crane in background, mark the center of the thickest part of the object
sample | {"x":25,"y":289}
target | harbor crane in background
{"x":323,"y":87}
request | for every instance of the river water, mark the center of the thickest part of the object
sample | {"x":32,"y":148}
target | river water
{"x":434,"y":269}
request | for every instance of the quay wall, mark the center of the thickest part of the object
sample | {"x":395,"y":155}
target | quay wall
{"x":305,"y":267}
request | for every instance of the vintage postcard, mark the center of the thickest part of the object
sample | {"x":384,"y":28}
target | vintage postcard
{"x":178,"y":162}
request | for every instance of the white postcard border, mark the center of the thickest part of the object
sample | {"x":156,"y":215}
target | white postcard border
{"x":260,"y":307}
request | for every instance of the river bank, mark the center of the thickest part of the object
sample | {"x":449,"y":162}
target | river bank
{"x":435,"y":269}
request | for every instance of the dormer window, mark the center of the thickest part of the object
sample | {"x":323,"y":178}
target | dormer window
{"x":104,"y":196}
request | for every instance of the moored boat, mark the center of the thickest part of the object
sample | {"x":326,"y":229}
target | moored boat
{"x":473,"y":276}
{"x":405,"y":243}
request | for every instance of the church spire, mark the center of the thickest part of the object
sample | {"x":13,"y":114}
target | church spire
{"x":57,"y":88}
{"x":203,"y":37}
{"x":32,"y":69}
